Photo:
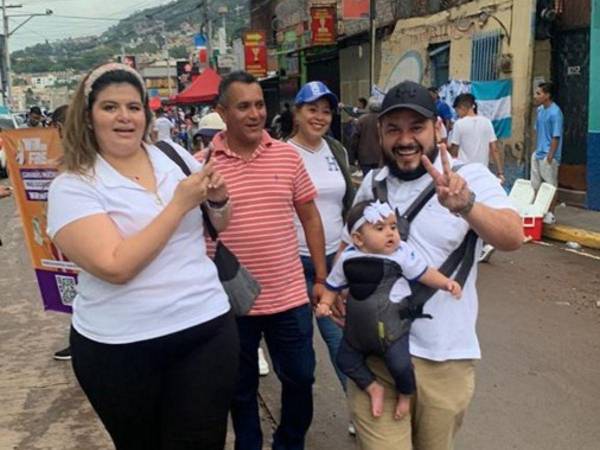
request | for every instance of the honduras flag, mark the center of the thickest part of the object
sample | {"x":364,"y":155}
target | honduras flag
{"x":494,"y":102}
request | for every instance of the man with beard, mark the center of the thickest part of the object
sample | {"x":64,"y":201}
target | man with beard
{"x":445,"y":347}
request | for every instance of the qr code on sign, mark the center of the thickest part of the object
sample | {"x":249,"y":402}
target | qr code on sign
{"x":67,"y":288}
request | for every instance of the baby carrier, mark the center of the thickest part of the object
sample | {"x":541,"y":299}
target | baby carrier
{"x":369,"y":308}
{"x":370,"y":281}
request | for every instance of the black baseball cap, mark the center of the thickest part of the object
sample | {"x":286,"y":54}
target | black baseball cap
{"x":409,"y":95}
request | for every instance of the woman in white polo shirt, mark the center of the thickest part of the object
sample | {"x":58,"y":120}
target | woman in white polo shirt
{"x":154,"y":344}
{"x":326,"y":162}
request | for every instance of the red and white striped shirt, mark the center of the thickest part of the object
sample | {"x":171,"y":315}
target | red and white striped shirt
{"x":263,"y":191}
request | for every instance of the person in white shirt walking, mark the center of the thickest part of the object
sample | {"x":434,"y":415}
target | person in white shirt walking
{"x":473,"y":141}
{"x":163,"y":127}
{"x":473,"y":138}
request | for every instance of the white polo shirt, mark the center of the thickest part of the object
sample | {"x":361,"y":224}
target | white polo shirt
{"x":434,"y":234}
{"x":177,"y":290}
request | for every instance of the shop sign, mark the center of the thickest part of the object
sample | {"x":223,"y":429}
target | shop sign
{"x":290,"y":64}
{"x":323,"y":25}
{"x":227,"y":62}
{"x":355,"y":9}
{"x":255,"y":52}
{"x":290,"y":41}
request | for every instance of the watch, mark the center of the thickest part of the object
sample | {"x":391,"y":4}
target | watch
{"x":468,"y":207}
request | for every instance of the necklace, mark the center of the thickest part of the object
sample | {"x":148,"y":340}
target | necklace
{"x":308,"y":149}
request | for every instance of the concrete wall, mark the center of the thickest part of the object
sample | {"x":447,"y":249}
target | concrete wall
{"x":542,"y":60}
{"x":593,"y":150}
{"x":407,"y":46}
{"x":354,"y":71}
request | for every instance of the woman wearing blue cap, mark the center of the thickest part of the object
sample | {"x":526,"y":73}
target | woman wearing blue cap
{"x":326,"y":162}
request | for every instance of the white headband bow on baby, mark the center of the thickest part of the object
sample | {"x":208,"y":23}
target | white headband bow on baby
{"x":373,"y":213}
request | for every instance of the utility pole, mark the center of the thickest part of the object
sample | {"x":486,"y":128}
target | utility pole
{"x":6,"y":52}
{"x":163,"y":42}
{"x":166,"y":51}
{"x":223,"y":30}
{"x":6,"y":55}
{"x":372,"y":42}
{"x":206,"y":29}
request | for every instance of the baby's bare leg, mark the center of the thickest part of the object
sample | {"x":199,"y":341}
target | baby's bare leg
{"x":402,"y":406}
{"x":375,"y":391}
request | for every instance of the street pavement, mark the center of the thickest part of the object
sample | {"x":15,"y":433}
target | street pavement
{"x":537,"y":385}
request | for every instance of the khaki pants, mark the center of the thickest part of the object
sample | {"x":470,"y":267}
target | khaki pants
{"x":444,"y":391}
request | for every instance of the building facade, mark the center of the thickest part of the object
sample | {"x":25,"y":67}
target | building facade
{"x":519,"y":43}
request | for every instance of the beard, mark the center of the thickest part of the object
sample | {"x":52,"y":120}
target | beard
{"x":408,"y":175}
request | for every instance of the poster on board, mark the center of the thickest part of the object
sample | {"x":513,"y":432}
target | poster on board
{"x":32,"y":156}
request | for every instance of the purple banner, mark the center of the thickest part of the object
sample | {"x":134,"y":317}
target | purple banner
{"x":58,"y":289}
{"x":36,"y":183}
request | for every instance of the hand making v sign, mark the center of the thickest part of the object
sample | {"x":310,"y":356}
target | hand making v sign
{"x":452,"y":189}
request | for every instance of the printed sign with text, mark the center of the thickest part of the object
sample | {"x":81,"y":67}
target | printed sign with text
{"x":32,"y":155}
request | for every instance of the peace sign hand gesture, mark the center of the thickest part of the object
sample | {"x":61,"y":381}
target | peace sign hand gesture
{"x":452,"y":189}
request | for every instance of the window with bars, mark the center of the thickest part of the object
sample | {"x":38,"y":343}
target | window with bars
{"x":485,"y":54}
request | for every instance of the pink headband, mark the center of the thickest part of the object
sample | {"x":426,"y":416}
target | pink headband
{"x":105,"y":68}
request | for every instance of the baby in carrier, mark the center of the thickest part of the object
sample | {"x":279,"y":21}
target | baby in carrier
{"x":377,"y":270}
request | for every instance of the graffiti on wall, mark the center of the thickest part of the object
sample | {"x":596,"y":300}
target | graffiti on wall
{"x":409,"y":67}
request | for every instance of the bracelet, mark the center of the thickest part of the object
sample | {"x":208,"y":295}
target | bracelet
{"x":218,"y":205}
{"x":319,"y":280}
{"x":468,"y":207}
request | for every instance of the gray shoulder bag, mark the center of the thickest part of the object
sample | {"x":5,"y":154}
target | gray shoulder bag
{"x":239,"y":284}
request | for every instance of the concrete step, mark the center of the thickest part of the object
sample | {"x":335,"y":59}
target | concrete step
{"x":572,"y":197}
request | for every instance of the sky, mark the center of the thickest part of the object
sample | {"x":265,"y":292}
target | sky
{"x":91,"y":15}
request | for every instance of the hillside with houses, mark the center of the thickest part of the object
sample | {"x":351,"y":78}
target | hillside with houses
{"x":46,"y":74}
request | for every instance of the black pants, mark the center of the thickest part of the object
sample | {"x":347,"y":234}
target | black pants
{"x":167,"y":393}
{"x":397,"y":360}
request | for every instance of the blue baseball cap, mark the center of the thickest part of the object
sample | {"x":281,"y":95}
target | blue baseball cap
{"x":313,"y":91}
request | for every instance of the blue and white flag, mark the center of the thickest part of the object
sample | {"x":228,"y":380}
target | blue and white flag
{"x":494,"y":100}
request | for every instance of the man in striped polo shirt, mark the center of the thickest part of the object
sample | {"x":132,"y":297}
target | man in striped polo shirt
{"x":268,"y":184}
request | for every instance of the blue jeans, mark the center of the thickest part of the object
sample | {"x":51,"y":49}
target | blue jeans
{"x":330,"y":332}
{"x":288,"y":335}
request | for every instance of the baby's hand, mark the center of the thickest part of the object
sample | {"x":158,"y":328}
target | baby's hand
{"x":454,"y":288}
{"x":323,"y":310}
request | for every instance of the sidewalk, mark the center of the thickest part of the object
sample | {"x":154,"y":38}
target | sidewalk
{"x":575,"y":225}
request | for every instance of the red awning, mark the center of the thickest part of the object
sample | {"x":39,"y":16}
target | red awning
{"x":202,"y":90}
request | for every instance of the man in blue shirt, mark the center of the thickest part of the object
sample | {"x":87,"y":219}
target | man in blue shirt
{"x":443,"y":110}
{"x":549,"y":130}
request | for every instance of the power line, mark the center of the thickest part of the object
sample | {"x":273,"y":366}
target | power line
{"x":88,"y":18}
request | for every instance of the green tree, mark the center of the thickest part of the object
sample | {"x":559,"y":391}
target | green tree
{"x":179,"y":52}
